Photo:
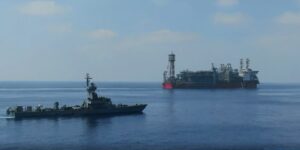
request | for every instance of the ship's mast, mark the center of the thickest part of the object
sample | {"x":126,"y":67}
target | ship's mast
{"x":87,"y":80}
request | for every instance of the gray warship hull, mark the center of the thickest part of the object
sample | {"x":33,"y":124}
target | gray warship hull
{"x":134,"y":109}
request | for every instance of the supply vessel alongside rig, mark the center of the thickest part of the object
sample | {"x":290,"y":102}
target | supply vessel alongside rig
{"x":223,"y":77}
{"x":92,"y":106}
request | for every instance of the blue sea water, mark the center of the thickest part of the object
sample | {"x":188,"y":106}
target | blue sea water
{"x":265,"y":118}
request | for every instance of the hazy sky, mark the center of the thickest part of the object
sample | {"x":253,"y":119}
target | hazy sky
{"x":129,"y":40}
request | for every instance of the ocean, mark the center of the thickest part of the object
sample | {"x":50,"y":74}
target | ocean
{"x":263,"y":118}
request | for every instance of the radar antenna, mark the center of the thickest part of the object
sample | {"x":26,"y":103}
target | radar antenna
{"x":88,"y":79}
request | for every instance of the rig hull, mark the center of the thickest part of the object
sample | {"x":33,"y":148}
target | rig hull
{"x":249,"y":85}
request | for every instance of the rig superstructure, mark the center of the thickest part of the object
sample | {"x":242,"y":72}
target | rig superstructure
{"x":223,"y":77}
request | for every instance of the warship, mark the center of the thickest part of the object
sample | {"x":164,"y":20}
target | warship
{"x":94,"y":105}
{"x":223,"y":77}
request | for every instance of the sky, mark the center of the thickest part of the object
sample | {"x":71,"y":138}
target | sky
{"x":129,"y":40}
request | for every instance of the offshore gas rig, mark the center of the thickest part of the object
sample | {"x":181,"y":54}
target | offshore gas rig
{"x":223,"y":77}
